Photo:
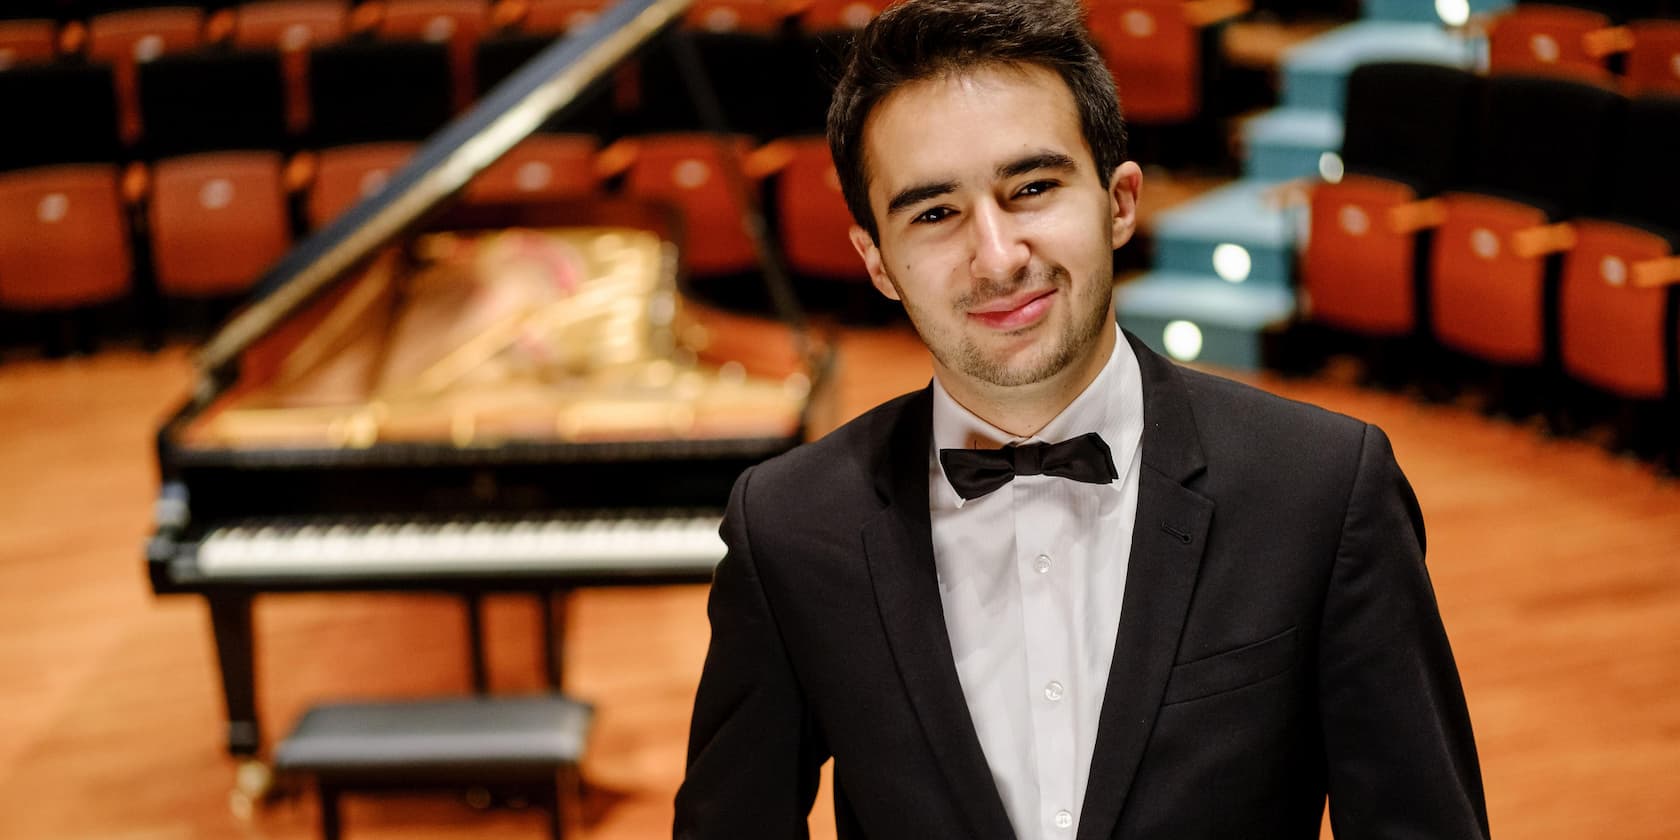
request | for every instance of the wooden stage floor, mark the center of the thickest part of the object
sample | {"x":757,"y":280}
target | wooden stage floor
{"x":1557,"y":567}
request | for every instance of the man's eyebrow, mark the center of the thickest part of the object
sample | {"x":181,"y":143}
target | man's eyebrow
{"x":915,"y":195}
{"x":911,"y":196}
{"x":1035,"y":162}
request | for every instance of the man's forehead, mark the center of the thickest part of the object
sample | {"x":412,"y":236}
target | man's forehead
{"x":915,"y":133}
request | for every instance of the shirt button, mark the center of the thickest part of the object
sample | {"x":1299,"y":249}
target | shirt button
{"x":1064,"y":819}
{"x":1041,"y":564}
{"x":1053,"y":692}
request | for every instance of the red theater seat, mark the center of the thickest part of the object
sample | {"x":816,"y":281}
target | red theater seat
{"x":63,"y":237}
{"x":814,"y":219}
{"x":687,"y":171}
{"x":1547,"y":40}
{"x":218,"y":221}
{"x":129,"y":38}
{"x":542,"y":167}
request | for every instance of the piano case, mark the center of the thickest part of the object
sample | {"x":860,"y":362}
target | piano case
{"x":475,"y":399}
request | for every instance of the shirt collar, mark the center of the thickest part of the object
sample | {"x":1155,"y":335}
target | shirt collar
{"x":1107,"y":406}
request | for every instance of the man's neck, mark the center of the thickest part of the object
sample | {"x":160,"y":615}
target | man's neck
{"x":1023,"y":410}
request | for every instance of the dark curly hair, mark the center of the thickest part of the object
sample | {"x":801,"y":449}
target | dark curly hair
{"x":921,"y":39}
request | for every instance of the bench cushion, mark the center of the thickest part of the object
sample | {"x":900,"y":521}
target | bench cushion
{"x":466,"y":739}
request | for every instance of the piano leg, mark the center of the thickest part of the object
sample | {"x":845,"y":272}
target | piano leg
{"x":230,"y":620}
{"x":475,"y":642}
{"x":553,"y":636}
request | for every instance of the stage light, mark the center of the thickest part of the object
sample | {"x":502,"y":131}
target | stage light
{"x":1232,"y":262}
{"x":1183,"y":340}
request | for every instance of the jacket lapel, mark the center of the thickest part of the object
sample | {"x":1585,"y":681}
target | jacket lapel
{"x":1167,"y":541}
{"x":899,"y":544}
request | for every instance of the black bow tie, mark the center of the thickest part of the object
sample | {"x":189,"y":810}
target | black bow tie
{"x":976,"y":472}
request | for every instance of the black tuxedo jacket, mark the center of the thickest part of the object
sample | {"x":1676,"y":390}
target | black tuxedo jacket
{"x":1279,"y":641}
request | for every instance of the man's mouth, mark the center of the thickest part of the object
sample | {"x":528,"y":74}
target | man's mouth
{"x":1015,"y":311}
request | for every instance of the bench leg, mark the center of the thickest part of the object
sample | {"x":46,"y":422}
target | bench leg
{"x":330,"y":824}
{"x":551,"y":805}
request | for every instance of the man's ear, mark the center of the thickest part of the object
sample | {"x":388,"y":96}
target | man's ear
{"x":1124,"y":189}
{"x":871,"y":253}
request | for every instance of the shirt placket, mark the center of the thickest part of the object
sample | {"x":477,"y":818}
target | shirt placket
{"x":1042,"y":568}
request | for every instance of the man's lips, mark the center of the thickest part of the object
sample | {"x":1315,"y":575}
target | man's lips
{"x":1014,"y":312}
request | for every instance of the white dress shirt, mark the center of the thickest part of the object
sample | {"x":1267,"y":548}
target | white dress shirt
{"x":1031,"y":578}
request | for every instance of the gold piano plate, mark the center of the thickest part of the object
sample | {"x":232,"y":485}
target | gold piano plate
{"x":480,"y":338}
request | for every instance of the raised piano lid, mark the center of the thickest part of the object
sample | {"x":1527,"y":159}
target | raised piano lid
{"x":318,"y":275}
{"x":447,"y":161}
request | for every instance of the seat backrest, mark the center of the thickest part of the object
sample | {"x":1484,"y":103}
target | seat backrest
{"x":750,"y":72}
{"x":1543,"y":140}
{"x":500,"y":56}
{"x":1653,"y":65}
{"x":126,"y":39}
{"x":212,"y":100}
{"x":688,"y":171}
{"x":459,"y":24}
{"x":814,"y":220}
{"x":42,"y":131}
{"x":1546,"y":39}
{"x":372,"y":91}
{"x":27,"y":40}
{"x":762,"y":16}
{"x":1155,"y":54}
{"x":552,"y":17}
{"x":438,"y":21}
{"x":289,"y":24}
{"x":1646,"y":180}
{"x":831,"y":15}
{"x":1411,"y":122}
{"x":144,"y":34}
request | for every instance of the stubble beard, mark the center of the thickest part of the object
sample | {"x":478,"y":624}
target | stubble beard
{"x":961,"y":353}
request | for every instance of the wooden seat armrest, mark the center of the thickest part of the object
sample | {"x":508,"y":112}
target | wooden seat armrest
{"x":1541,"y":240}
{"x":1653,"y":274}
{"x":136,"y":183}
{"x":300,"y":172}
{"x":1602,"y":43}
{"x":1201,"y":13}
{"x":767,"y":159}
{"x":616,"y":159}
{"x":508,"y":14}
{"x":72,"y":38}
{"x":219,"y":28}
{"x":366,"y":17}
{"x":1415,"y":216}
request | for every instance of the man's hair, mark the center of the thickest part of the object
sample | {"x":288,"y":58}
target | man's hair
{"x":922,"y":39}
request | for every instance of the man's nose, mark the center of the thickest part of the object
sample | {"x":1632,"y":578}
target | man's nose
{"x":1000,"y":250}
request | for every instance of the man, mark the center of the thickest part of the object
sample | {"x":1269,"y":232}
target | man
{"x":1069,"y":589}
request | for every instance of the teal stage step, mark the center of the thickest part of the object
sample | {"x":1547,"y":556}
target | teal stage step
{"x":1197,"y":318}
{"x":1223,"y":276}
{"x":1231,"y":232}
{"x":1427,"y":11}
{"x":1287,"y":143}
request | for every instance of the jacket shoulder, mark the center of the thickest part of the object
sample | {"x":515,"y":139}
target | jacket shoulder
{"x":836,"y":469}
{"x":1247,"y":430}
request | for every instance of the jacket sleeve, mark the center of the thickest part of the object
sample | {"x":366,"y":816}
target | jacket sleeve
{"x":1400,"y":754}
{"x":754,"y":755}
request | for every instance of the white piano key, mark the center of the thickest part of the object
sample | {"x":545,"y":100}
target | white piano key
{"x":681,"y":541}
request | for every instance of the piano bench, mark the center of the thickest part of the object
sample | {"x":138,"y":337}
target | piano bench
{"x":530,"y":745}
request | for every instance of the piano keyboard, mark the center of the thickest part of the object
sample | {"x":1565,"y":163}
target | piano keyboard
{"x":685,"y":541}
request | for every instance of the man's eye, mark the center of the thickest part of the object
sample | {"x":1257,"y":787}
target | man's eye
{"x":931,"y":216}
{"x":1036,"y":188}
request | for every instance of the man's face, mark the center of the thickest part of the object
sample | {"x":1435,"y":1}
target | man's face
{"x":995,"y":229}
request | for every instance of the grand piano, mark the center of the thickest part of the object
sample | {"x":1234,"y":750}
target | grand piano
{"x":466,"y":399}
